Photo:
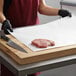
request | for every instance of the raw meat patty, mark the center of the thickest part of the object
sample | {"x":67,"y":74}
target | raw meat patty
{"x":42,"y":43}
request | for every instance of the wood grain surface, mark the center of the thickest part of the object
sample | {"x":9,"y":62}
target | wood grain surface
{"x":31,"y":56}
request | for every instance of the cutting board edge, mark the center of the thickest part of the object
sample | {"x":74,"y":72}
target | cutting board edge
{"x":47,"y":56}
{"x":64,"y":51}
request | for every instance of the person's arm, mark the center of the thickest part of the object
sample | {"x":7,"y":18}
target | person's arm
{"x":5,"y":22}
{"x":51,"y":11}
{"x":47,"y":10}
{"x":2,"y":17}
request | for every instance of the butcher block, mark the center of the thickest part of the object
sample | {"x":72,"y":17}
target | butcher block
{"x":62,"y":31}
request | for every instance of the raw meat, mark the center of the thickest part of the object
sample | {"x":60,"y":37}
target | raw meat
{"x":42,"y":43}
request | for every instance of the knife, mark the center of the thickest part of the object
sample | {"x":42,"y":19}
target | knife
{"x":11,"y":43}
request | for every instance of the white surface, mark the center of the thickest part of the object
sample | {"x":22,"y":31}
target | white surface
{"x":62,"y":31}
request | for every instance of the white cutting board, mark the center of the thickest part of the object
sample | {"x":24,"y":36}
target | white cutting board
{"x":62,"y":31}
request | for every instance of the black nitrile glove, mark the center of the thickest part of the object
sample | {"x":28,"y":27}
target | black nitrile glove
{"x":64,"y":13}
{"x":7,"y":27}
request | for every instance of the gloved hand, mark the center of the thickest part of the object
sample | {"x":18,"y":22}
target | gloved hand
{"x":7,"y":27}
{"x":64,"y":13}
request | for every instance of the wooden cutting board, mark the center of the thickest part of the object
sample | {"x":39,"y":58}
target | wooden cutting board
{"x":58,"y":28}
{"x":33,"y":56}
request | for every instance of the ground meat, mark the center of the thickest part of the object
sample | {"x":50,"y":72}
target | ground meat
{"x":42,"y":43}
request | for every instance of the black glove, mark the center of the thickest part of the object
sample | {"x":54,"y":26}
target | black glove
{"x":7,"y":26}
{"x":64,"y":13}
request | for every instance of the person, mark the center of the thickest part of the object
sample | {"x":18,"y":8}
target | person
{"x":19,"y":13}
